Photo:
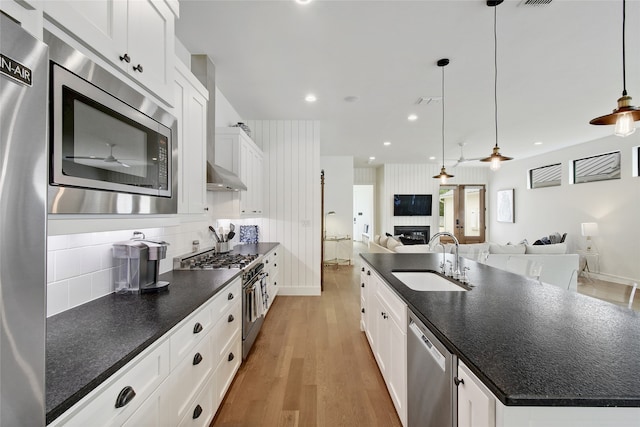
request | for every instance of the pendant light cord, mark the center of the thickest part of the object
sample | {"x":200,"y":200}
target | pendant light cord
{"x":443,"y":117}
{"x":624,"y":60}
{"x":495,"y":67}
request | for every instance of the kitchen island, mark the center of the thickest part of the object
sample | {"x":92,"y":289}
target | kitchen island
{"x":88,"y":344}
{"x":530,"y":344}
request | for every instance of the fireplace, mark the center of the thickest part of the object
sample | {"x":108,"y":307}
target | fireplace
{"x":412,"y":234}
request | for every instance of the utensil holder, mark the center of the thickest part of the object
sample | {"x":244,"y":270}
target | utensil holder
{"x":222,"y":247}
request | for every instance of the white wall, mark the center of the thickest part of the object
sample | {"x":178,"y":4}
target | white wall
{"x":614,"y":205}
{"x":292,"y":198}
{"x":418,"y":179}
{"x":226,"y":115}
{"x":338,"y":197}
{"x":363,"y":176}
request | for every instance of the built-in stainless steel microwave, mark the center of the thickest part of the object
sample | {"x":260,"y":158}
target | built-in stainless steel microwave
{"x":112,"y":149}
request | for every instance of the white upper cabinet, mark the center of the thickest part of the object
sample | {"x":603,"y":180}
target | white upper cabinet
{"x":136,"y":36}
{"x":190,"y":108}
{"x":236,"y":152}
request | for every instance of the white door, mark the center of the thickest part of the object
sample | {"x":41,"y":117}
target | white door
{"x":362,"y":211}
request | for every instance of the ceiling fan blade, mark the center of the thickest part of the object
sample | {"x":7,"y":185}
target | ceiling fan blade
{"x":123,"y":164}
{"x":85,"y":157}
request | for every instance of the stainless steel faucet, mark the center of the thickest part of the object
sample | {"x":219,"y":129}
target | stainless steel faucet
{"x":456,"y":268}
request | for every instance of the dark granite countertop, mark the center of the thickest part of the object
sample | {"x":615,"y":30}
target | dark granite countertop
{"x":89,"y":343}
{"x":531,"y":344}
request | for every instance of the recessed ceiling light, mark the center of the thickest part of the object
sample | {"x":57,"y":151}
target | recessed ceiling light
{"x":537,"y":143}
{"x":412,"y":118}
{"x":386,"y":143}
{"x":432,"y":158}
{"x":303,"y":1}
{"x":310,"y":98}
{"x":372,"y":158}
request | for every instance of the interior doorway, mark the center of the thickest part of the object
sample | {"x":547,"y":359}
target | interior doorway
{"x":462,"y":212}
{"x":362,"y":212}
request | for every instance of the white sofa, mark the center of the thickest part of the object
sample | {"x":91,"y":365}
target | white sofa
{"x":391,"y":245}
{"x":558,"y":268}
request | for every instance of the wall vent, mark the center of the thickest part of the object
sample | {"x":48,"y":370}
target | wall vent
{"x":534,"y":2}
{"x":426,"y":100}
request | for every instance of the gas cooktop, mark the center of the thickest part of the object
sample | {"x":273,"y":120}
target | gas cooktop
{"x":209,"y":259}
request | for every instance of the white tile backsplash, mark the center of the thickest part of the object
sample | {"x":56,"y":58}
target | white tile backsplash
{"x":80,"y":267}
{"x":79,"y":290}
{"x":57,"y":297}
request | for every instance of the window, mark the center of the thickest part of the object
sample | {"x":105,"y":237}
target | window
{"x":545,"y":176}
{"x":597,"y":168}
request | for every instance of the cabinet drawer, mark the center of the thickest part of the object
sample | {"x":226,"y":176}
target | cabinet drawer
{"x":191,"y":330}
{"x":128,"y":389}
{"x":189,"y":376}
{"x":201,"y":411}
{"x":226,"y":330}
{"x":228,"y":366}
{"x":225,"y":299}
{"x":397,"y":308}
{"x":154,"y":412}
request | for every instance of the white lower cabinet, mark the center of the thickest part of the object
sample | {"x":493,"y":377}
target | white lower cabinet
{"x":476,"y":405}
{"x":385,"y":323}
{"x":180,"y":380}
{"x":271,"y":266}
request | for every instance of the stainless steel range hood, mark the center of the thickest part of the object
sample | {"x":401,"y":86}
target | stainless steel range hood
{"x":221,"y":179}
{"x":218,"y":178}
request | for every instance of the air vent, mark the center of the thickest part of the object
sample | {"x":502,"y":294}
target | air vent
{"x":534,"y":2}
{"x":426,"y":100}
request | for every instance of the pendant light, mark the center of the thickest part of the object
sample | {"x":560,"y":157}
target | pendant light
{"x":495,"y":158}
{"x":443,"y":176}
{"x":625,"y":115}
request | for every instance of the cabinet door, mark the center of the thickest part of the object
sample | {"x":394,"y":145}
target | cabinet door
{"x":100,"y":24}
{"x":245,"y":176}
{"x":196,"y":155}
{"x":151,"y":44}
{"x":381,"y":348}
{"x":397,"y":368}
{"x":190,"y":108}
{"x":476,"y":407}
{"x":257,"y":186}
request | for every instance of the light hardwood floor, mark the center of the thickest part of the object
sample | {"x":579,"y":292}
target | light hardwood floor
{"x":311,"y":365}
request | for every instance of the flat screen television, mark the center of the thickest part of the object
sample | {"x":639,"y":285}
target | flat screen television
{"x":412,"y":205}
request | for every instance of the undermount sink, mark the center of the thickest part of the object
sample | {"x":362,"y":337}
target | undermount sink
{"x":427,"y":281}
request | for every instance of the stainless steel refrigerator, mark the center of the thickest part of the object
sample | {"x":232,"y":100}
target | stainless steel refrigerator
{"x":23,"y":224}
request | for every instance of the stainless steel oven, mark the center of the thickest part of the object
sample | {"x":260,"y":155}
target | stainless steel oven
{"x":112,"y":149}
{"x":255,"y":301}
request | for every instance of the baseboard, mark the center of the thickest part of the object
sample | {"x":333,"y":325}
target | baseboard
{"x":611,"y":278}
{"x":299,"y":291}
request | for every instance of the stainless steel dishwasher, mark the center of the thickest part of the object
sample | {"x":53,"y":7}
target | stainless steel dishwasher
{"x":432,"y":398}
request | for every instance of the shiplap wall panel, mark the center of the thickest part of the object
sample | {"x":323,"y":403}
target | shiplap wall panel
{"x":364,"y":176}
{"x":418,"y":179}
{"x":292,"y":199}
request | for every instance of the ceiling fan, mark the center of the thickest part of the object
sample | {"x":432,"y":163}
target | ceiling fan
{"x":109,"y":159}
{"x":462,"y":159}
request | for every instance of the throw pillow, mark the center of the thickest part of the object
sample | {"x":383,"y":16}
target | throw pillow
{"x":383,"y":241}
{"x":392,"y":244}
